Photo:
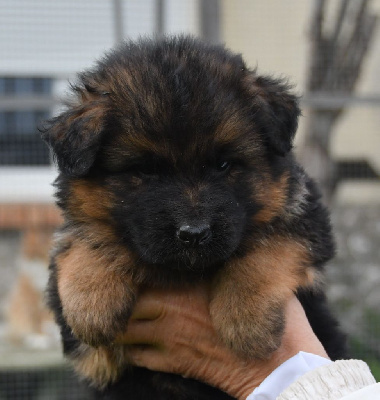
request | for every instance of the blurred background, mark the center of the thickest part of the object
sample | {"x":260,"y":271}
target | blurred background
{"x":329,"y":49}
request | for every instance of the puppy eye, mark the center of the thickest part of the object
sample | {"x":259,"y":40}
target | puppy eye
{"x":146,"y":169}
{"x":143,"y":172}
{"x":223,"y":166}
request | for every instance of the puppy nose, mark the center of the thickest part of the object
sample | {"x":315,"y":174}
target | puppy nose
{"x":194,"y":235}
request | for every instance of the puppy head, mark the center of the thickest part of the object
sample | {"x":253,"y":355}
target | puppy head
{"x":186,"y":144}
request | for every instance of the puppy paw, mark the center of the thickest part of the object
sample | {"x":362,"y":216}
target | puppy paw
{"x":99,"y":366}
{"x":97,"y":318}
{"x":96,"y":293}
{"x":250,"y":294}
{"x":252,"y":330}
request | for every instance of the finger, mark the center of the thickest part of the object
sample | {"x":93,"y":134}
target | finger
{"x":148,"y":357}
{"x":149,"y":306}
{"x":139,"y":332}
{"x":162,"y":359}
{"x":154,"y":303}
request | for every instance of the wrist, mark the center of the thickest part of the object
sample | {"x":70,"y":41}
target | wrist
{"x":242,"y":380}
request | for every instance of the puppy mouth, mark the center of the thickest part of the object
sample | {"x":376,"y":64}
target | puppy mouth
{"x":202,"y":254}
{"x":190,"y":260}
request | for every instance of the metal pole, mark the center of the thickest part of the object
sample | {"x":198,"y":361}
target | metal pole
{"x":160,"y":24}
{"x":210,"y":20}
{"x":118,"y":20}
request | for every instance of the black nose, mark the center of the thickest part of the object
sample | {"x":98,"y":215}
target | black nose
{"x":194,"y":235}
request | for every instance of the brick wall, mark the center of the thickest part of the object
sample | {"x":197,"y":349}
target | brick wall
{"x":37,"y":223}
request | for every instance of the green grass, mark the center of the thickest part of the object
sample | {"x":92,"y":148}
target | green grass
{"x":359,"y":350}
{"x":374,"y":365}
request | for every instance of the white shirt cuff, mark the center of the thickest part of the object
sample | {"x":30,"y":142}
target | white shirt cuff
{"x":287,"y":373}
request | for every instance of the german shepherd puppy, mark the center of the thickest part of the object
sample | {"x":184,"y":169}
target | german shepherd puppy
{"x":175,"y":169}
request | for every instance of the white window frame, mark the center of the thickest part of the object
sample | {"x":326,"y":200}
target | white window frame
{"x":31,"y":184}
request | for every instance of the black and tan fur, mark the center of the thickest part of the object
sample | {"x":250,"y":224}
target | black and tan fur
{"x":172,"y":136}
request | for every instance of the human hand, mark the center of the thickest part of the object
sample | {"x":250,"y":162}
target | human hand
{"x":171,"y":331}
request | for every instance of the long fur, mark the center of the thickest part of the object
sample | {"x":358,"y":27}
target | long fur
{"x":176,"y":168}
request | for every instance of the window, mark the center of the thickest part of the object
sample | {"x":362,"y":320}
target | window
{"x":20,"y":142}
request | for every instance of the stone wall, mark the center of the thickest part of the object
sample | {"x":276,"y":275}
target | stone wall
{"x":353,"y":277}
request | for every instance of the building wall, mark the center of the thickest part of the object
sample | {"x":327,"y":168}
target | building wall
{"x":270,"y":35}
{"x":58,"y":38}
{"x":273,"y":35}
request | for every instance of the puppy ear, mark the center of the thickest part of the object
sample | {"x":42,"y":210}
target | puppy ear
{"x":75,"y":135}
{"x":277,"y":112}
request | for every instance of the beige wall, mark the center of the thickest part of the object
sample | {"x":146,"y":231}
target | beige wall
{"x":273,"y":35}
{"x":270,"y":34}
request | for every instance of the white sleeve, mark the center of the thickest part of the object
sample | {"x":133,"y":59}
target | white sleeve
{"x":370,"y":392}
{"x":287,"y":373}
{"x":343,"y":380}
